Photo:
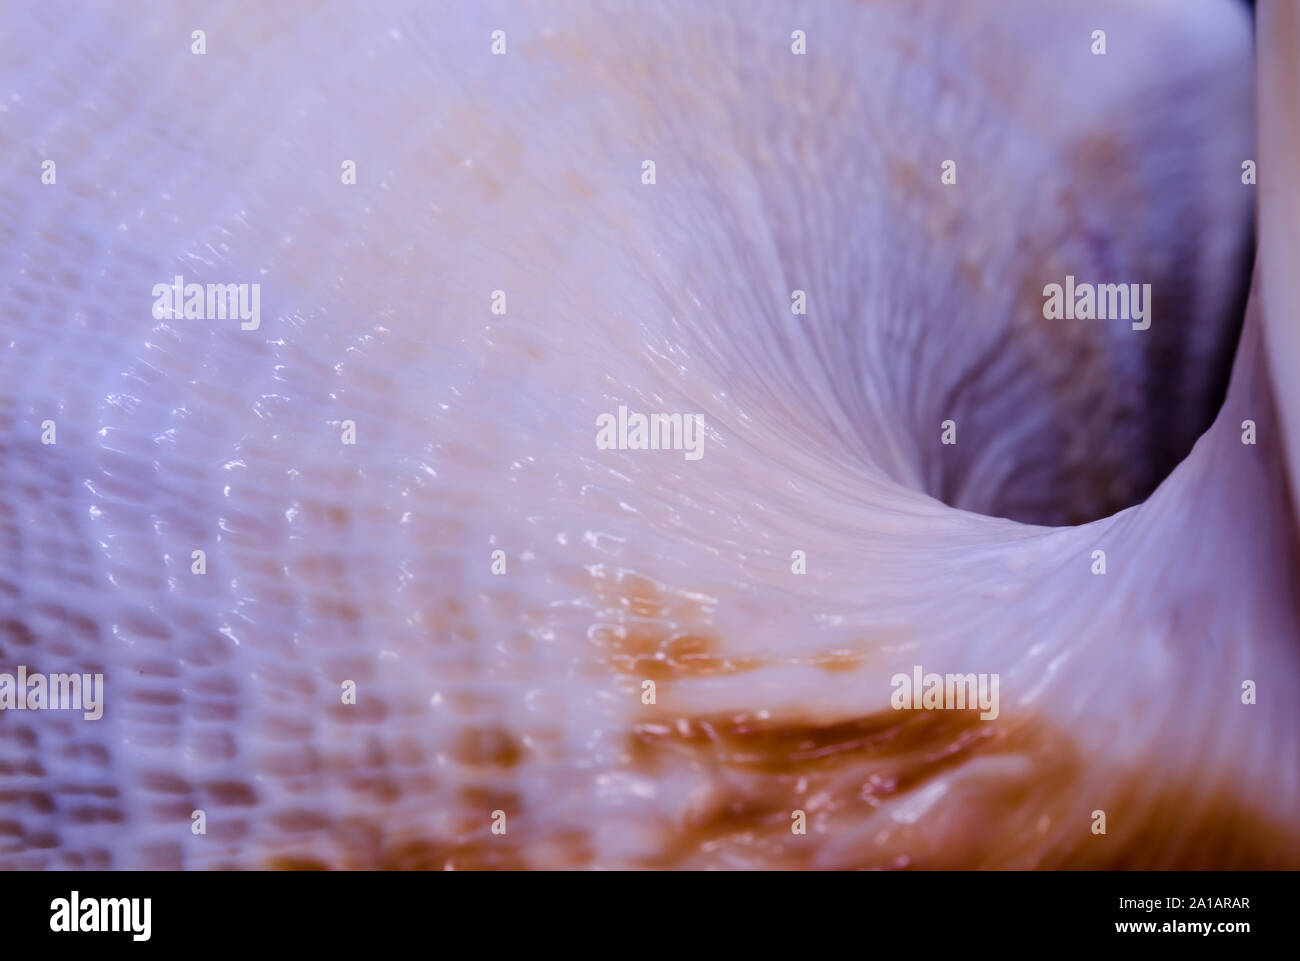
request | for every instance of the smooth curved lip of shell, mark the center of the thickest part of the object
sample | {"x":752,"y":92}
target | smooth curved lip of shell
{"x":1278,"y":93}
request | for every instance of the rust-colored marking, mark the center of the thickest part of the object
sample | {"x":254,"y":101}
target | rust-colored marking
{"x":934,"y":789}
{"x":895,"y":789}
{"x":487,"y":746}
{"x":646,"y":629}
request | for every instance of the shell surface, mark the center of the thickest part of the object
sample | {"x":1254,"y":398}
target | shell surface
{"x":523,"y":692}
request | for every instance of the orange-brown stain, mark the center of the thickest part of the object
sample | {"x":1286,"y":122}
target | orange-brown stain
{"x":1029,"y":806}
{"x":884,"y":790}
{"x":650,"y":631}
{"x":1008,"y":793}
{"x":487,"y":746}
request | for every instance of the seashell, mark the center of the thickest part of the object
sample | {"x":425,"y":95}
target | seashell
{"x":438,"y":623}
